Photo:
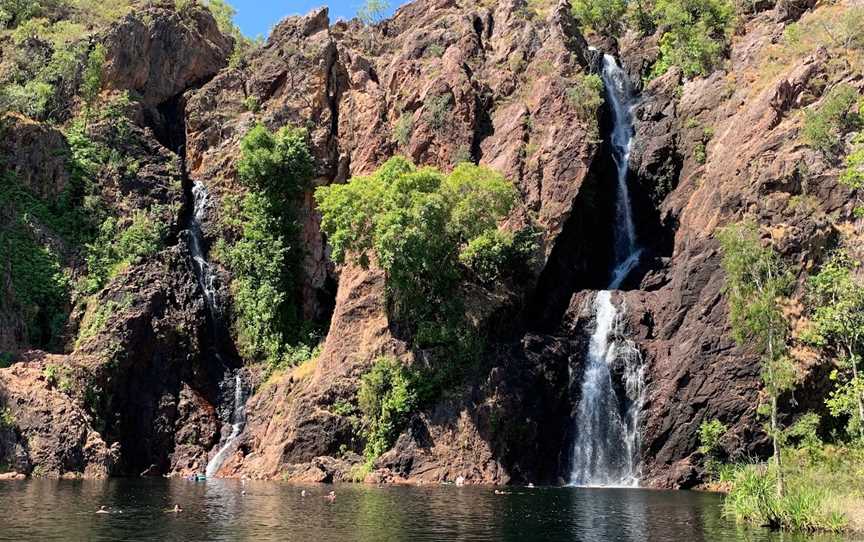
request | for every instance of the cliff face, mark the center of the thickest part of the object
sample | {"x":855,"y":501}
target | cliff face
{"x":487,"y":84}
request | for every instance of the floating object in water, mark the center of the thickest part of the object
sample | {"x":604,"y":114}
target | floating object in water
{"x":330,"y":496}
{"x":175,"y":510}
{"x":303,"y":493}
{"x":460,"y":481}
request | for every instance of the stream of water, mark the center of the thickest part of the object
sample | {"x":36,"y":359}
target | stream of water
{"x":238,"y":423}
{"x":606,"y":447}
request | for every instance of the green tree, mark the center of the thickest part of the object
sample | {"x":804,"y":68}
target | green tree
{"x":387,"y":397}
{"x":373,"y":11}
{"x":710,"y":434}
{"x":838,"y":329}
{"x":603,"y":16}
{"x":276,"y":168}
{"x":755,"y":283}
{"x":696,"y":34}
{"x":586,"y":95}
{"x":415,"y":223}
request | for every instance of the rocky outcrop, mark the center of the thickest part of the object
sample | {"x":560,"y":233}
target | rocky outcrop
{"x":43,"y":433}
{"x":135,"y":391}
{"x":738,"y":152}
{"x":159,"y":52}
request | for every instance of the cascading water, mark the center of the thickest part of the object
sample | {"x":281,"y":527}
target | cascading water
{"x":206,"y":276}
{"x":203,"y":270}
{"x":238,"y":423}
{"x":606,"y":449}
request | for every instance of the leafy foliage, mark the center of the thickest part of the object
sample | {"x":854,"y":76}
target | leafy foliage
{"x":224,"y":14}
{"x":386,"y":398}
{"x":403,"y":129}
{"x":437,"y":110}
{"x":696,"y":34}
{"x":837,"y":299}
{"x":415,"y":223}
{"x":373,"y":11}
{"x":825,"y":125}
{"x":120,"y":244}
{"x":275,"y":167}
{"x":586,"y":95}
{"x":603,"y":16}
{"x":755,"y":282}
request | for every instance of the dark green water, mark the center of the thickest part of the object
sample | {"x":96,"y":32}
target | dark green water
{"x":217,"y":510}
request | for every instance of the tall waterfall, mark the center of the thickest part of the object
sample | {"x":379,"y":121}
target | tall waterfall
{"x":606,"y":449}
{"x":238,"y":423}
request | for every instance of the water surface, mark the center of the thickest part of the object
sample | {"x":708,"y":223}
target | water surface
{"x":218,"y":510}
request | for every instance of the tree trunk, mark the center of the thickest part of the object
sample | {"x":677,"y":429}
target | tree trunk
{"x":776,"y":446}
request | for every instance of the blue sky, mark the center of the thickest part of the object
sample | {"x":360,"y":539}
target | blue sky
{"x":258,"y":16}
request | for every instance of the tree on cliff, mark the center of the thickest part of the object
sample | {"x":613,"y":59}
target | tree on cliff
{"x":755,"y":283}
{"x":838,"y":329}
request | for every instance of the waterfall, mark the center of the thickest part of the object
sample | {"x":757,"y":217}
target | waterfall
{"x":238,"y":423}
{"x":606,"y":448}
{"x":203,"y":271}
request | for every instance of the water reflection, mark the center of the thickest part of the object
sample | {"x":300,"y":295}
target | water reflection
{"x":219,"y":510}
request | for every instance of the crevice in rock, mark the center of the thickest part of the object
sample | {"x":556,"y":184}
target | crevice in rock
{"x":583,"y":253}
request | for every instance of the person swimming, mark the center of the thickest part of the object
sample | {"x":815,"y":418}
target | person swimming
{"x":330,"y":496}
{"x":103,"y":510}
{"x":176,"y":509}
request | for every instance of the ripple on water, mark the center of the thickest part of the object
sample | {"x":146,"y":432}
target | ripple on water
{"x":217,"y":510}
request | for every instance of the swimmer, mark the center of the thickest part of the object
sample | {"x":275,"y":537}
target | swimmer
{"x":331,"y":496}
{"x":176,"y":509}
{"x":103,"y":510}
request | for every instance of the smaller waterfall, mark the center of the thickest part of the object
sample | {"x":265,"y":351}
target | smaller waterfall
{"x":203,"y":270}
{"x":238,"y":423}
{"x":606,"y":449}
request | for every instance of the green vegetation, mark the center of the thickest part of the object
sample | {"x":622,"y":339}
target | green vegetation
{"x":275,"y":168}
{"x":251,"y":103}
{"x":838,"y":331}
{"x":120,"y":244}
{"x":605,"y":17}
{"x":710,"y":434}
{"x":696,"y":33}
{"x":826,"y":124}
{"x":816,"y":486}
{"x":224,"y":14}
{"x":755,"y":282}
{"x":7,"y":419}
{"x":373,"y":11}
{"x":430,"y":232}
{"x":417,"y":224}
{"x":853,"y":175}
{"x":806,"y":505}
{"x":696,"y":37}
{"x":437,"y":110}
{"x":387,"y":397}
{"x":403,"y":129}
{"x":586,"y":95}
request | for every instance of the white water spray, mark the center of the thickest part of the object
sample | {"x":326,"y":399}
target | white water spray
{"x":203,"y":270}
{"x":238,"y":423}
{"x":606,"y":448}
